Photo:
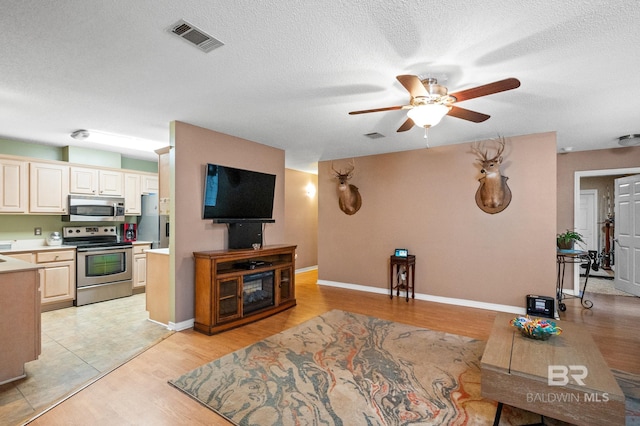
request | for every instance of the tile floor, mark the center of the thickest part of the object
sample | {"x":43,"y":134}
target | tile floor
{"x":79,"y":344}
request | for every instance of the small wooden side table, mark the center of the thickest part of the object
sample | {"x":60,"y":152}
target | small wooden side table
{"x":409,"y":264}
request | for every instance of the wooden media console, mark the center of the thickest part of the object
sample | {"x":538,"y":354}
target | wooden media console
{"x":235,"y":287}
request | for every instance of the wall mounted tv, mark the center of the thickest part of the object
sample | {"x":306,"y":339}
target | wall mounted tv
{"x":236,"y":195}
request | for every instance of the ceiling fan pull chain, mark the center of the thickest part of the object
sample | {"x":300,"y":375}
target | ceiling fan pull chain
{"x":426,"y":135}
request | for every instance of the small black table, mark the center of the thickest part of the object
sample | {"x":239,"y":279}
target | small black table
{"x":409,"y":263}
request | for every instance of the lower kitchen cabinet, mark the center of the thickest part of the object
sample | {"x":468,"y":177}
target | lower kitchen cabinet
{"x":157,"y":290}
{"x":20,"y":330}
{"x":140,"y":267}
{"x":58,"y":281}
{"x":57,"y":277}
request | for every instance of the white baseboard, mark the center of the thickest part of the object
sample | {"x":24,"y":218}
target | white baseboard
{"x":307,"y":269}
{"x":159,"y":323}
{"x":183,"y":325}
{"x":430,"y":298}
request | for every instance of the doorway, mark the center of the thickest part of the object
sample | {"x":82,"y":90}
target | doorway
{"x":602,"y":206}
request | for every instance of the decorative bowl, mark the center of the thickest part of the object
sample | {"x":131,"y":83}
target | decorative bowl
{"x":536,"y":328}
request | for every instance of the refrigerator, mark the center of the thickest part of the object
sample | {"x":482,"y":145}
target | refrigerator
{"x":151,"y":225}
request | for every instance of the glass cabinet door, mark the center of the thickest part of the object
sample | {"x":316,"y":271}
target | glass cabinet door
{"x":286,"y":285}
{"x":227,"y":299}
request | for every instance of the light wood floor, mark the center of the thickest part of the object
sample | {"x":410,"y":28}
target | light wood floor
{"x":138,"y":393}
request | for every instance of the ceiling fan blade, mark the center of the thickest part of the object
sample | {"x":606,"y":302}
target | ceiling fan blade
{"x":466,"y":114}
{"x":487,"y":89}
{"x":365,"y":111}
{"x":406,"y":125}
{"x":413,"y":84}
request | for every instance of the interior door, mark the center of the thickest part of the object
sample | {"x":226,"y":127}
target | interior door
{"x":587,"y":219}
{"x":627,"y":234}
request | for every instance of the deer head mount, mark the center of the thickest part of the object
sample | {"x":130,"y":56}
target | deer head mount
{"x":493,"y":194}
{"x":349,"y":198}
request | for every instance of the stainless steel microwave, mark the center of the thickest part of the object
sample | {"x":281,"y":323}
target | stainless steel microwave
{"x":84,"y":208}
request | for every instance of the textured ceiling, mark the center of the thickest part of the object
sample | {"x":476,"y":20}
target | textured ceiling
{"x":291,"y":70}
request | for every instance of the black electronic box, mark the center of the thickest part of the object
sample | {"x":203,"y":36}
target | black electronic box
{"x":540,"y":306}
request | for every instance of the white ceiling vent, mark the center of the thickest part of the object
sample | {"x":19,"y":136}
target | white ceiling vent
{"x":195,"y":36}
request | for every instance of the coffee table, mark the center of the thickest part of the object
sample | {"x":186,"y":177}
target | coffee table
{"x":581,"y":389}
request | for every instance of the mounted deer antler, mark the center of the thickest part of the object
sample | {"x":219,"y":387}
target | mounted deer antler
{"x":493,"y":195}
{"x":349,"y":198}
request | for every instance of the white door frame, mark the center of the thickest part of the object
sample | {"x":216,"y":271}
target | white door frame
{"x":576,"y":205}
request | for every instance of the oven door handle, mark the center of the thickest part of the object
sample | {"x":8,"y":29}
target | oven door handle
{"x":93,"y":249}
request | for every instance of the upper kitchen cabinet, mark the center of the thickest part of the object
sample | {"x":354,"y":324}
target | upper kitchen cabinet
{"x":150,"y":184}
{"x":90,"y":181}
{"x":48,"y":188}
{"x":110,"y":182}
{"x":14,"y":186}
{"x":132,"y":194}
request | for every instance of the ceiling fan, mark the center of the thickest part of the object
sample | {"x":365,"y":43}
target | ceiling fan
{"x":430,"y":101}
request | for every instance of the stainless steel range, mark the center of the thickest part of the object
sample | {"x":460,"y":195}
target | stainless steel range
{"x":104,"y":263}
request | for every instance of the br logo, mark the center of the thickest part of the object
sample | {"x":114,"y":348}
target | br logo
{"x":559,"y":375}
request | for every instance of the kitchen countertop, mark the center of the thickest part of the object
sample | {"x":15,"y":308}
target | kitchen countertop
{"x":158,"y":251}
{"x":15,"y":246}
{"x":9,"y":264}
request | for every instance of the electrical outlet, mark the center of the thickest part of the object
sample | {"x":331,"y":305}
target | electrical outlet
{"x":37,"y":231}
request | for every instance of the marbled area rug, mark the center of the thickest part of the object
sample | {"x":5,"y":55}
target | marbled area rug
{"x":348,"y":369}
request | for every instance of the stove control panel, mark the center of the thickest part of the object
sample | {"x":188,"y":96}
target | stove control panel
{"x":89,"y":231}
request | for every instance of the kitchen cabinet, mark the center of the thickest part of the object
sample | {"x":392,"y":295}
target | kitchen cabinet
{"x":157,"y":291}
{"x":132,"y":194}
{"x":48,"y":188}
{"x":140,"y":267}
{"x":43,"y":187}
{"x":14,"y":186}
{"x":57,"y":276}
{"x":20,"y":329}
{"x":235,"y":287}
{"x":83,"y":181}
{"x":26,"y":257}
{"x":92,"y":181}
{"x":58,"y":285}
{"x":150,"y":184}
{"x":110,"y":182}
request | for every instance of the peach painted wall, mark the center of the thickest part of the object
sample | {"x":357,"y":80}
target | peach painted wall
{"x":301,"y":216}
{"x":572,"y":162}
{"x":424,"y":200}
{"x":194,"y":148}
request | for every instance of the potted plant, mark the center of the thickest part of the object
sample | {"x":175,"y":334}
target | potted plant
{"x":566,"y":240}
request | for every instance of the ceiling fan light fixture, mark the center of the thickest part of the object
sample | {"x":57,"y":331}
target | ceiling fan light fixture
{"x":428,"y":115}
{"x":629,"y":140}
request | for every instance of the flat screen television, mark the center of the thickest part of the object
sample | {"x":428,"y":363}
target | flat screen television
{"x":237,"y":195}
